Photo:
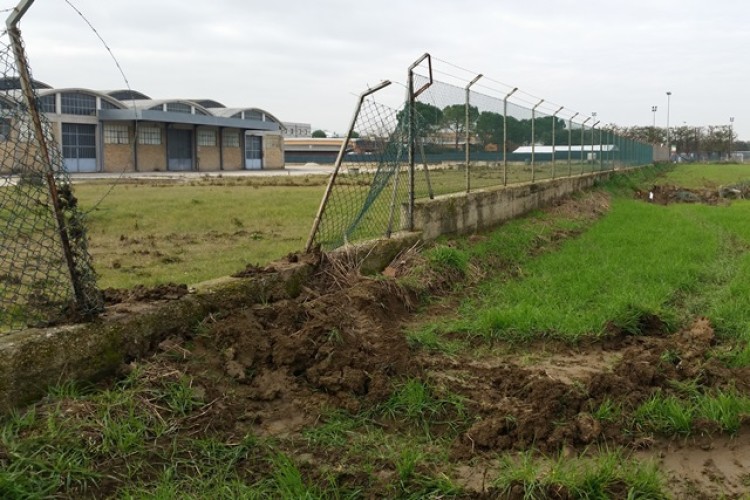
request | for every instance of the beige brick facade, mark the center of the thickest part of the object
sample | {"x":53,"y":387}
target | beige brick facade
{"x":273,"y":151}
{"x":233,"y":158}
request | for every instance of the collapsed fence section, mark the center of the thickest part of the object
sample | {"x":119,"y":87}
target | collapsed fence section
{"x":46,"y":273}
{"x":448,"y":139}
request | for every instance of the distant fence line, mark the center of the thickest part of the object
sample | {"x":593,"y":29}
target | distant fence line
{"x":448,"y":139}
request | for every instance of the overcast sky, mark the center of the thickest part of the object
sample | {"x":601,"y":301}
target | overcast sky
{"x":305,"y":61}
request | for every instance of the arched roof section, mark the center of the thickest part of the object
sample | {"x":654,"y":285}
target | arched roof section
{"x":246,"y":112}
{"x":157,"y":104}
{"x":127,"y":95}
{"x":77,"y":90}
{"x":209,"y":103}
{"x":14,"y":83}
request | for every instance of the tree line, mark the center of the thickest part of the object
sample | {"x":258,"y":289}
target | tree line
{"x":690,"y":140}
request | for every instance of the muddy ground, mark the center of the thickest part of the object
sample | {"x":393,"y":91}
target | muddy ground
{"x":275,"y":369}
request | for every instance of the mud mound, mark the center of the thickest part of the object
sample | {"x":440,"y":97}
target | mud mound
{"x":274,"y":366}
{"x":666,"y":194}
{"x":520,"y":407}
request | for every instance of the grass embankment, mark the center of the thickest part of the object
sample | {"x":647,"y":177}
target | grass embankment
{"x":641,"y":259}
{"x":145,"y":234}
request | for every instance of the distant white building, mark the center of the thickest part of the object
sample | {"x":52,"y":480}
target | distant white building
{"x":292,"y":129}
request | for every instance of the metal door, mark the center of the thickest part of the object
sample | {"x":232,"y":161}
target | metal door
{"x":79,"y":147}
{"x":180,"y":149}
{"x":253,"y":152}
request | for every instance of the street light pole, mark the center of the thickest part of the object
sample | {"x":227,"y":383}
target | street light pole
{"x":505,"y":135}
{"x":570,"y":144}
{"x":554,"y":119}
{"x":468,"y":133}
{"x":731,"y":124}
{"x":669,"y":146}
{"x":653,"y":126}
{"x":533,"y":137}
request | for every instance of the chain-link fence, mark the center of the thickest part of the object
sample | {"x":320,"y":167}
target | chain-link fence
{"x":450,"y":139}
{"x":45,"y":268}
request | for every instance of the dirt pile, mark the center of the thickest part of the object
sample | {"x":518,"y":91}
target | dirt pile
{"x":274,"y":366}
{"x":521,"y":407}
{"x":666,"y":194}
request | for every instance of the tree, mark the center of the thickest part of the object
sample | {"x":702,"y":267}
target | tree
{"x":454,"y":119}
{"x":319,"y":134}
{"x":427,"y":117}
{"x":490,"y":128}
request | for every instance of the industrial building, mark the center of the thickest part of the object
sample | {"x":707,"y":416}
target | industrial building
{"x":128,"y":131}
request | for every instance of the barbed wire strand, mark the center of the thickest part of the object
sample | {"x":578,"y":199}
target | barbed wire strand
{"x":547,"y":104}
{"x":130,"y":90}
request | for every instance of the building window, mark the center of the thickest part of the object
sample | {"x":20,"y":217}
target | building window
{"x":47,"y":104}
{"x":76,"y":103}
{"x":253,"y":115}
{"x":179,"y":107}
{"x":206,"y":137}
{"x":105,"y":104}
{"x":149,"y":135}
{"x":116,"y":134}
{"x":231,"y":139}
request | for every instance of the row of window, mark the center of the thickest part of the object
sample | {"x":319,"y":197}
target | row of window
{"x":148,"y":134}
{"x":77,"y":103}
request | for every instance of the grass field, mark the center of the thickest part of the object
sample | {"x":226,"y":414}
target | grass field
{"x":149,"y":234}
{"x":153,"y":233}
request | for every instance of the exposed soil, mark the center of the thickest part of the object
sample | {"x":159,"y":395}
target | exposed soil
{"x":664,"y":194}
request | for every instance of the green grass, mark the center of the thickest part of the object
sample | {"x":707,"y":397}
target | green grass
{"x":605,"y":474}
{"x":414,"y":401}
{"x":670,"y":415}
{"x":700,"y":175}
{"x":152,"y":234}
{"x":625,"y":267}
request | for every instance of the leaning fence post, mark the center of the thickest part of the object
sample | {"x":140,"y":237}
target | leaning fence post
{"x":337,"y":166}
{"x":28,"y":92}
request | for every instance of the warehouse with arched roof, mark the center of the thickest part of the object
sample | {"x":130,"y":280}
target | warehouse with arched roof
{"x":127,"y":130}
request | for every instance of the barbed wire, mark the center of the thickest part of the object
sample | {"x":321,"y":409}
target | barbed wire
{"x":130,"y":90}
{"x":517,"y":95}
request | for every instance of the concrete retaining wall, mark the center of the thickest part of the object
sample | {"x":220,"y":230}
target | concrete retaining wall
{"x":33,"y":360}
{"x":483,"y":209}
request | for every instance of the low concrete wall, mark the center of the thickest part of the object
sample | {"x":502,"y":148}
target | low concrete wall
{"x":33,"y":360}
{"x":482,"y":209}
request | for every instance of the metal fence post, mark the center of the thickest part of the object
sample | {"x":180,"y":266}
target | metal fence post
{"x":505,"y":135}
{"x":583,"y":142}
{"x":570,"y":144}
{"x":554,"y":119}
{"x":593,"y":159}
{"x":468,"y":133}
{"x":28,"y":92}
{"x":533,"y":139}
{"x":412,"y":98}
